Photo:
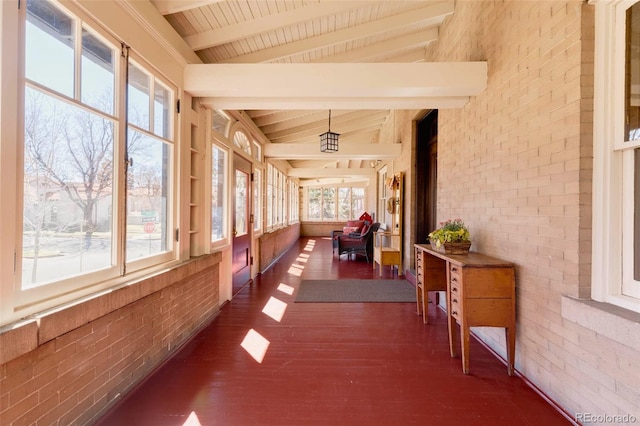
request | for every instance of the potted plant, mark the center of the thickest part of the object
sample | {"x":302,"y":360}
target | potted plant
{"x":452,"y":236}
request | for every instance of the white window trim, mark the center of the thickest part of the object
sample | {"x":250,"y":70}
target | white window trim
{"x":225,"y":241}
{"x":14,"y":303}
{"x":606,"y":282}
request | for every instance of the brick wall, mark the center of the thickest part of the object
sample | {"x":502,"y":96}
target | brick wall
{"x":320,"y":229}
{"x":516,"y":164}
{"x":273,"y":244}
{"x":86,"y":356}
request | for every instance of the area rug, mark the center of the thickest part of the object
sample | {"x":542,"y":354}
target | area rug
{"x":354,"y":291}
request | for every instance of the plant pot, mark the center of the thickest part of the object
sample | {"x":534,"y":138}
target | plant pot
{"x":457,"y":248}
{"x":434,"y":247}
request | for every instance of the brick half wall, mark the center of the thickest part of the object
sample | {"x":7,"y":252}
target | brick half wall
{"x":90,"y":354}
{"x":274,"y":244}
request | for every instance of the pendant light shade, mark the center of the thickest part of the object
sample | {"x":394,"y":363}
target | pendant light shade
{"x":329,"y":139}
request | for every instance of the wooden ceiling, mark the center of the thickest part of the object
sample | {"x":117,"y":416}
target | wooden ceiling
{"x":310,"y":31}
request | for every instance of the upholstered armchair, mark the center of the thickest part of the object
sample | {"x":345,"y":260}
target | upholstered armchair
{"x":358,"y":243}
{"x":353,"y":226}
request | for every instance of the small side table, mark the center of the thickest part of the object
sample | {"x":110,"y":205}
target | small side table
{"x":387,"y":254}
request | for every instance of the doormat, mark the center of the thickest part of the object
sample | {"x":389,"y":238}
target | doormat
{"x":355,"y":291}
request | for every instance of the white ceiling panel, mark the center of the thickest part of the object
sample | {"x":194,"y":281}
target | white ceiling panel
{"x":330,"y":33}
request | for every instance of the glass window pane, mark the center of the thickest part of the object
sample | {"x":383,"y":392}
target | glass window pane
{"x":257,"y":151}
{"x":357,"y":202}
{"x":218,"y":168}
{"x":257,"y":204}
{"x":148,"y":212}
{"x":242,"y":198}
{"x":138,"y":96}
{"x":328,"y":203}
{"x":219,"y":122}
{"x":98,"y":77}
{"x":241,"y":141}
{"x":344,"y":203}
{"x":161,"y":110}
{"x":68,"y":182}
{"x":314,"y":203}
{"x":49,"y":48}
{"x":632,"y":80}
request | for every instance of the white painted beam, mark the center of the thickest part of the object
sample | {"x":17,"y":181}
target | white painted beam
{"x":336,"y":86}
{"x":426,"y":102}
{"x":340,"y":123}
{"x":265,"y":24}
{"x":415,"y":55}
{"x":290,"y":151}
{"x":432,"y":14}
{"x":302,"y":172}
{"x":403,"y":43}
{"x":167,"y":7}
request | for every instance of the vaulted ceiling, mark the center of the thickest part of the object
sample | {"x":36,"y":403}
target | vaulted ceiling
{"x":310,"y":32}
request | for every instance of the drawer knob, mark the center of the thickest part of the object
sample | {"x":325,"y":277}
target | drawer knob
{"x":454,"y":312}
{"x":454,"y":289}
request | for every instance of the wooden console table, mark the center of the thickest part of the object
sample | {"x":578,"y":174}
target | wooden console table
{"x":480,"y":293}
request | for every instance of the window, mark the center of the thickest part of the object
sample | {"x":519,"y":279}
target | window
{"x":382,"y":195}
{"x":616,"y":194}
{"x":218,"y":193}
{"x":76,"y":232}
{"x":257,"y":151}
{"x":257,"y":201}
{"x":294,"y":202}
{"x":219,"y":122}
{"x":276,"y":198}
{"x":242,"y":141}
{"x":334,"y":204}
{"x":149,"y":152}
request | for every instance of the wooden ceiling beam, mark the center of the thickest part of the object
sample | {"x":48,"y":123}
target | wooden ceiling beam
{"x":265,"y":24}
{"x":433,"y":14}
{"x":403,"y":43}
{"x":167,"y":7}
{"x":288,"y":151}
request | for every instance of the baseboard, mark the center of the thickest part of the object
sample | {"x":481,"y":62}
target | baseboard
{"x":535,"y":388}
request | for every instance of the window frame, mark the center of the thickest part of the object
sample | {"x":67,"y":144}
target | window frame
{"x":225,"y":239}
{"x":336,"y":202}
{"x":609,"y":151}
{"x":17,"y":302}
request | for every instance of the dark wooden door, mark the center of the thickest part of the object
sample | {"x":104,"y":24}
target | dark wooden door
{"x":426,"y":176}
{"x":241,"y":242}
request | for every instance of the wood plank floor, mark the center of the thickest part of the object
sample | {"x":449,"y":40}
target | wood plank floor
{"x":328,"y":364}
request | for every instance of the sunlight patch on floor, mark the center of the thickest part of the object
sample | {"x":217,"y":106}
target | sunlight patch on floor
{"x":287,"y":289}
{"x":192,"y":420}
{"x":275,"y":308}
{"x":296,"y":270}
{"x":255,"y":345}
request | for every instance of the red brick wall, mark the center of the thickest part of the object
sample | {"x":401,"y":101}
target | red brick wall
{"x":273,"y":244}
{"x":320,"y":229}
{"x":90,"y":354}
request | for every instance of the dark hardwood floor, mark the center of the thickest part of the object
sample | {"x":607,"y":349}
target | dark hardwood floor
{"x":327,"y":363}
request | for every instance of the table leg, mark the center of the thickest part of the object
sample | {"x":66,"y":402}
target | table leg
{"x":453,"y":332}
{"x":464,"y":343}
{"x":510,"y":335}
{"x":425,"y":306}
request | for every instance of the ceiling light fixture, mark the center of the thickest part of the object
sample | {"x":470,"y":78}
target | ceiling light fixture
{"x":329,"y":139}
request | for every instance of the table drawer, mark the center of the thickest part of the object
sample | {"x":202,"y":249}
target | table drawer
{"x":456,"y":307}
{"x":488,"y":283}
